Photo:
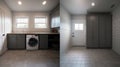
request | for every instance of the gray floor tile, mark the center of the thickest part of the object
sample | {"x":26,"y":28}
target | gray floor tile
{"x":23,"y":58}
{"x":83,"y":57}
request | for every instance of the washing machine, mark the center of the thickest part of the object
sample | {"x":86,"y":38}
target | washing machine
{"x":32,"y":42}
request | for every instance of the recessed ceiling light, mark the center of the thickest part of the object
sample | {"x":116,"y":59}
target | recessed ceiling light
{"x":92,"y":4}
{"x":19,"y":3}
{"x":44,"y":2}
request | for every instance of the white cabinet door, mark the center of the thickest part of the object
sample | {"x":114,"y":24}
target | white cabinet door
{"x":56,"y":21}
{"x":52,"y":22}
{"x":2,"y":29}
{"x":78,"y":33}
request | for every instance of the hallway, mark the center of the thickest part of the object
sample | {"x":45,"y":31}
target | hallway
{"x":82,"y":57}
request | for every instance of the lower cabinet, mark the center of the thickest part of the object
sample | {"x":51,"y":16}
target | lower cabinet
{"x":54,"y":41}
{"x":49,"y":41}
{"x":46,"y":41}
{"x":20,"y":44}
{"x":11,"y":42}
{"x":16,"y":41}
{"x":43,"y":41}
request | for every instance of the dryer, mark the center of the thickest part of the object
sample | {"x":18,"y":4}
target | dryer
{"x":32,"y":42}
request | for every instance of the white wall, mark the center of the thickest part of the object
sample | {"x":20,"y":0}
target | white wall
{"x":31,"y":16}
{"x":116,"y":30}
{"x":65,"y":31}
{"x":7,"y":25}
{"x":79,"y":38}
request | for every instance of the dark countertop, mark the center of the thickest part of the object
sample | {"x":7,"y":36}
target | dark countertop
{"x":33,"y":33}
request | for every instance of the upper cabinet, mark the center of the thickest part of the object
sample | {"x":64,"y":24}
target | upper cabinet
{"x":55,"y":18}
{"x":55,"y":22}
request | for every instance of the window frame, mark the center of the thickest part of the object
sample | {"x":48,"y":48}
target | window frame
{"x":55,"y":22}
{"x":16,"y":23}
{"x":46,"y":23}
{"x":79,"y":26}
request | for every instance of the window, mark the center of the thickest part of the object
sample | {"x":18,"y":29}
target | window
{"x":22,"y":22}
{"x":78,"y":26}
{"x":40,"y":22}
{"x":55,"y":22}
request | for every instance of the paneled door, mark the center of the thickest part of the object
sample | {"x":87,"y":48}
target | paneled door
{"x":99,"y":30}
{"x":105,"y":29}
{"x":78,"y":33}
{"x":92,"y":31}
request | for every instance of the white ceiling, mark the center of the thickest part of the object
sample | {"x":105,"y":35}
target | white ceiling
{"x":32,"y":5}
{"x":76,"y":7}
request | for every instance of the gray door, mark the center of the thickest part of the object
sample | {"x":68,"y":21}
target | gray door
{"x":92,"y":31}
{"x":105,"y":30}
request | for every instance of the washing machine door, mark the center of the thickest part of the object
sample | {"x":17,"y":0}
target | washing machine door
{"x":33,"y":42}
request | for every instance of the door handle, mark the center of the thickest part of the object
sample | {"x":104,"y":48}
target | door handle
{"x":73,"y":35}
{"x":3,"y":34}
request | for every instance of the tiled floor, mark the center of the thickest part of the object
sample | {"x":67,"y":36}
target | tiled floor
{"x":22,"y":58}
{"x":82,"y":57}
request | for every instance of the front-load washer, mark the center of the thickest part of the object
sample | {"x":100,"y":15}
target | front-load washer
{"x":32,"y":42}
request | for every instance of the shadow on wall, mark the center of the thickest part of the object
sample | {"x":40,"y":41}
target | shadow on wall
{"x":116,"y":30}
{"x":65,"y":31}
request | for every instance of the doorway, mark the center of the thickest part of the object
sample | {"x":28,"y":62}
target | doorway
{"x":78,"y":31}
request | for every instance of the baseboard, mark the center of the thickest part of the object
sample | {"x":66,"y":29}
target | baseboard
{"x":99,"y":47}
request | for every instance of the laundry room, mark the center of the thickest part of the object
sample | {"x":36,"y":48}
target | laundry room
{"x":29,"y":33}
